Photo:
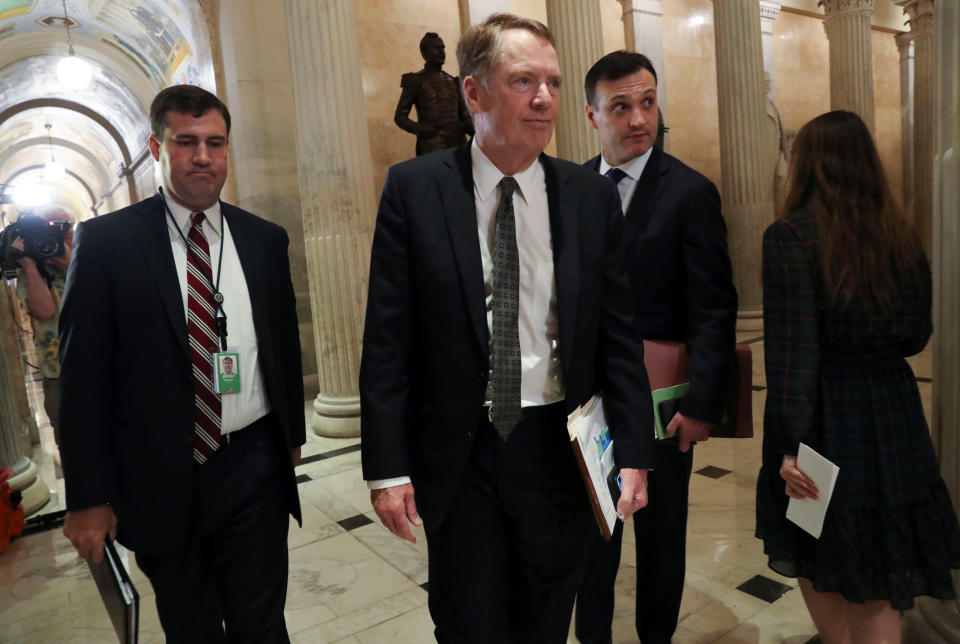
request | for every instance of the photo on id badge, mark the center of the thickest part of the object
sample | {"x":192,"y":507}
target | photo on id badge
{"x":228,"y":371}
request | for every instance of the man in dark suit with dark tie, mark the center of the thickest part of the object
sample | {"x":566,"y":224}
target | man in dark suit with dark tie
{"x":498,"y":304}
{"x":197,"y":483}
{"x":683,"y":290}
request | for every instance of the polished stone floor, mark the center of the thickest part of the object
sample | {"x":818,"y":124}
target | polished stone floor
{"x":351,"y":581}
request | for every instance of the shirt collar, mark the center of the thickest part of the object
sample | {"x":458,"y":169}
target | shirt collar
{"x":181,"y":214}
{"x":487,"y":176}
{"x":633,"y":168}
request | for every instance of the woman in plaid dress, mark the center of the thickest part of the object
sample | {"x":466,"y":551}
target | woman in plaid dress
{"x":846,"y":295}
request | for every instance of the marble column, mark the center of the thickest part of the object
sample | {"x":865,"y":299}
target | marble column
{"x":768,"y":14}
{"x":851,"y":56}
{"x":905,"y":48}
{"x":746,"y":186}
{"x":643,"y":32}
{"x":920,"y":13}
{"x":935,"y":621}
{"x":476,"y":11}
{"x":577,"y":28}
{"x":19,"y":345}
{"x":337,"y":196}
{"x":256,"y":84}
{"x":14,"y":420}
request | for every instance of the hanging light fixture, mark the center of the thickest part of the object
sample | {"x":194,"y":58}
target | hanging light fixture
{"x":53,"y":170}
{"x":73,"y":71}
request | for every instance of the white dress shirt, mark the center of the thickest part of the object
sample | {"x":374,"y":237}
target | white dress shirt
{"x":633,"y":169}
{"x":250,"y":403}
{"x":541,"y":382}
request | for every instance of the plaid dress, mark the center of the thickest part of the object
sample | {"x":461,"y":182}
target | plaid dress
{"x":837,"y":381}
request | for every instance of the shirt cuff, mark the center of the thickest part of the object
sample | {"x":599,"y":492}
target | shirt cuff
{"x":379,"y":484}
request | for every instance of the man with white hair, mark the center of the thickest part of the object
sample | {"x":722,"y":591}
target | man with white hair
{"x":498,"y":304}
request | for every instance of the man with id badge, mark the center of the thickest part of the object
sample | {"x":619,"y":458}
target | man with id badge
{"x":194,"y":471}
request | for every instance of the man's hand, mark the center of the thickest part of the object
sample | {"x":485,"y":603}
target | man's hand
{"x":87,"y":528}
{"x":799,"y":485}
{"x":688,"y":430}
{"x":633,"y":491}
{"x":295,"y":455}
{"x":395,"y":506}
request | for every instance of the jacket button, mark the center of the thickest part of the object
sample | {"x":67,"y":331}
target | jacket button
{"x":481,"y":378}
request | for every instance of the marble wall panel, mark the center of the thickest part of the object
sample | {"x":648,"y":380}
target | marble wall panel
{"x":536,"y":9}
{"x":886,"y":93}
{"x":611,"y":20}
{"x":390,"y":33}
{"x":688,"y":41}
{"x":801,"y":66}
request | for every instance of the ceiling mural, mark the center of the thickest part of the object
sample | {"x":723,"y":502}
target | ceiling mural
{"x":162,"y":38}
{"x":133,"y":49}
{"x":66,"y":125}
{"x":36,"y":78}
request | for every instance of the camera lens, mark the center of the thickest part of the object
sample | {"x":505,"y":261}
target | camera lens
{"x":45,"y":245}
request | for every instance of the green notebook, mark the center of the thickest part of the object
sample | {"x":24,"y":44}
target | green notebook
{"x":660,"y":395}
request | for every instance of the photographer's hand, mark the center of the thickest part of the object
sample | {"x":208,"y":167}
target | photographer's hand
{"x":39,"y":302}
{"x":64,"y":260}
{"x":25,"y":262}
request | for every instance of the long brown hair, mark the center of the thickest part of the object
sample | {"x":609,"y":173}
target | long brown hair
{"x":865,"y":242}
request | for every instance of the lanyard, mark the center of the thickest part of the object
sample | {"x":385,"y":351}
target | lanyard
{"x":219,"y":315}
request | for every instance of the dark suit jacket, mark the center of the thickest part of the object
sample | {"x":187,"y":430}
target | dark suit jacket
{"x":680,"y":271}
{"x":424,"y":369}
{"x":127,"y":440}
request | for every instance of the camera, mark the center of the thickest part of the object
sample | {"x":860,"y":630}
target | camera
{"x":42,"y":240}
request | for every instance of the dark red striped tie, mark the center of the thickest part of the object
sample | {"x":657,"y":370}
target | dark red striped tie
{"x":203,"y":342}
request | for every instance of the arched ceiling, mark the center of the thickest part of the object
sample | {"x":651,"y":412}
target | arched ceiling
{"x":134,"y":49}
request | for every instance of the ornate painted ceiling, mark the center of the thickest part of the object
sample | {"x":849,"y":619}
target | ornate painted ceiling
{"x":134,"y":48}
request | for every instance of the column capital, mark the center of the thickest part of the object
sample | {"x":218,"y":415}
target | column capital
{"x":904,"y":44}
{"x":834,"y":8}
{"x":768,"y":13}
{"x":919,"y":14}
{"x":648,"y":7}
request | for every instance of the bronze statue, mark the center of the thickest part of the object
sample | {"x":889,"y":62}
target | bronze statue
{"x":443,"y":120}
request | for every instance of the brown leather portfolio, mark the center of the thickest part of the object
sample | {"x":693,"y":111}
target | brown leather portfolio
{"x":668,"y":364}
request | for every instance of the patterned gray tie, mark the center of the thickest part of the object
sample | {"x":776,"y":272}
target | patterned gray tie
{"x":505,"y":334}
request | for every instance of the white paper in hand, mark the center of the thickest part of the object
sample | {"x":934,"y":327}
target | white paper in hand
{"x":808,"y":513}
{"x":588,"y":426}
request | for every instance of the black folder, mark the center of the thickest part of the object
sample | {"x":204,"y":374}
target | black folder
{"x":119,"y":596}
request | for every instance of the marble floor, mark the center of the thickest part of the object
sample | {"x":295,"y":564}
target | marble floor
{"x":353,"y":582}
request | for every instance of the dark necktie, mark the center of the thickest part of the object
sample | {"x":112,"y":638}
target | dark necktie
{"x":505,"y":334}
{"x":203,"y":342}
{"x":615,"y":175}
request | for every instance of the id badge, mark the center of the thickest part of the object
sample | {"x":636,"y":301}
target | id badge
{"x":227,"y":365}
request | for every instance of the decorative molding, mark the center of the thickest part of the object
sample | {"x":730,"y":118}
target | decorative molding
{"x":820,"y":16}
{"x":769,"y":10}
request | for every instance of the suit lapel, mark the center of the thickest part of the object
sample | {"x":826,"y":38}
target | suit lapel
{"x":250,"y":250}
{"x":459,"y":207}
{"x":565,"y":237}
{"x":648,"y":191}
{"x":149,"y":226}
